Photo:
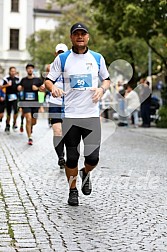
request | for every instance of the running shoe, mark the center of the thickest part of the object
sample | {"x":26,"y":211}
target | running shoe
{"x":14,"y":127}
{"x":61,"y":163}
{"x":30,"y":141}
{"x":86,"y":183}
{"x":122,"y":124}
{"x":7,"y":129}
{"x":21,"y":128}
{"x":73,"y":197}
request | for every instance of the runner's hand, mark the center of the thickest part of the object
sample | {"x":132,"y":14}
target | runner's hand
{"x":98,"y":93}
{"x":9,"y":83}
{"x":57,"y":92}
{"x":42,"y":88}
{"x":34,"y":88}
{"x":1,"y":99}
{"x":19,"y":88}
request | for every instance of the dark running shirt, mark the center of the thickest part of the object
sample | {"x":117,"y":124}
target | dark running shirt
{"x":29,"y":94}
{"x":13,"y":88}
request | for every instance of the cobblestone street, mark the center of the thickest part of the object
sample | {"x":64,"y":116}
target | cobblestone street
{"x":127,"y":210}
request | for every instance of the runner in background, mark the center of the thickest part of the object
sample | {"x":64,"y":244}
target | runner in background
{"x":2,"y":104}
{"x":55,"y":113}
{"x":30,"y":85}
{"x":11,"y":83}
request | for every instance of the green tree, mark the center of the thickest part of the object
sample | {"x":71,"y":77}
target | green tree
{"x":42,"y":43}
{"x":135,"y":20}
{"x":41,"y":47}
{"x":118,"y":29}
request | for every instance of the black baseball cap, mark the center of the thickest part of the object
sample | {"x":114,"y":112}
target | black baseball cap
{"x":78,"y":26}
{"x":30,"y":65}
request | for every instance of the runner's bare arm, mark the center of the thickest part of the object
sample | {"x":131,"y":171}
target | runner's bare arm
{"x":56,"y":92}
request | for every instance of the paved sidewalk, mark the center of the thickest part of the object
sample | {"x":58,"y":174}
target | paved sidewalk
{"x":126,"y":211}
{"x":153,"y":132}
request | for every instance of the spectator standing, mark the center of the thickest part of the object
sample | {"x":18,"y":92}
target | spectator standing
{"x":133,"y":104}
{"x":106,"y":101}
{"x":145,"y":106}
{"x":123,"y":118}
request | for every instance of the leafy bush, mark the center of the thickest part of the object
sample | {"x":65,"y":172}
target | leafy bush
{"x":162,"y":121}
{"x":164,"y":95}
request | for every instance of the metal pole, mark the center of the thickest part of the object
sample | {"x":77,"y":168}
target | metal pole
{"x":149,"y":62}
{"x":150,"y":66}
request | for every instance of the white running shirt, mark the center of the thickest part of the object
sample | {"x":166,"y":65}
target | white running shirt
{"x":81,"y":73}
{"x":59,"y":84}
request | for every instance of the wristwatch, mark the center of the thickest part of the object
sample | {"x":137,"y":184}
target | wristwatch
{"x":104,"y":90}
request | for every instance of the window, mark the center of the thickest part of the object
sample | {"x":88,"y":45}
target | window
{"x":14,"y":5}
{"x":14,"y":39}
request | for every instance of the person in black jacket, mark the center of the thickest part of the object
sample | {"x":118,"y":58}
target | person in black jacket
{"x":145,"y":108}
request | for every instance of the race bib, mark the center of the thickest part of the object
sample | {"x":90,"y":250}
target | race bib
{"x":29,"y":96}
{"x":81,"y":81}
{"x":12,"y":97}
